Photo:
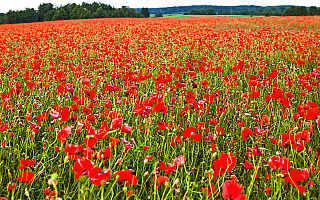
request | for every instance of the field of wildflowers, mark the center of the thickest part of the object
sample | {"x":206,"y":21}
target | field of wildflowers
{"x":171,"y":108}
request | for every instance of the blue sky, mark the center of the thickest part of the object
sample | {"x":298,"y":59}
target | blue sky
{"x":6,"y":5}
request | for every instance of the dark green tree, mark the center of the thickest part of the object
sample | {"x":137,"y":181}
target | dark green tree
{"x":145,"y":12}
{"x":267,"y":14}
{"x":101,"y":13}
{"x":11,"y":17}
{"x":20,"y":16}
{"x":158,"y":15}
{"x":313,"y":11}
{"x":30,"y":15}
{"x":43,"y":9}
{"x":60,"y":14}
{"x":49,"y":15}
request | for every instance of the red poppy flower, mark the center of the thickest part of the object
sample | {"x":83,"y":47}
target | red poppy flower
{"x":267,"y":189}
{"x":126,"y":176}
{"x":130,"y":192}
{"x":90,"y":94}
{"x":232,"y":190}
{"x":245,"y":133}
{"x":225,"y":163}
{"x":116,"y":123}
{"x":114,"y":141}
{"x":26,"y":177}
{"x":191,"y":132}
{"x":65,"y":114}
{"x":210,"y":190}
{"x":175,"y":140}
{"x":248,"y":165}
{"x":219,"y":130}
{"x":96,"y":175}
{"x":312,"y":113}
{"x":170,"y":168}
{"x":279,"y":163}
{"x":179,"y":161}
{"x":158,"y":181}
{"x":126,"y":128}
{"x":24,"y":163}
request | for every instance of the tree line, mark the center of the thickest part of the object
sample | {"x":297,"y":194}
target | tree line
{"x":231,"y":9}
{"x":301,"y":11}
{"x":267,"y":11}
{"x":47,"y":12}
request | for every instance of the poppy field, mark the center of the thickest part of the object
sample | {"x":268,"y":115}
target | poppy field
{"x":170,"y":108}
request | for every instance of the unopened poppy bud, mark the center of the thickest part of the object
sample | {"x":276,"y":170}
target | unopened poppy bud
{"x":183,"y":150}
{"x":54,"y":176}
{"x":295,"y":128}
{"x":167,"y":183}
{"x":117,"y":177}
{"x":66,"y":159}
{"x":124,"y":189}
{"x":103,"y":183}
{"x":145,"y":161}
{"x":280,"y":175}
{"x":83,"y":179}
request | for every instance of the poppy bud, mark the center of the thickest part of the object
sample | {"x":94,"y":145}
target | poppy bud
{"x":167,"y":183}
{"x":280,"y":176}
{"x":83,"y":179}
{"x":103,"y":183}
{"x":66,"y":159}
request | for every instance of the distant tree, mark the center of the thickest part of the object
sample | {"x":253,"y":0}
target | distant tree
{"x":11,"y":17}
{"x":303,"y":11}
{"x":85,"y":14}
{"x":68,"y":9}
{"x":223,"y":12}
{"x":49,"y":15}
{"x":295,"y":11}
{"x":211,"y":11}
{"x":43,"y":9}
{"x":313,"y":11}
{"x":158,"y":15}
{"x":60,"y":14}
{"x":101,"y":13}
{"x":20,"y":16}
{"x":30,"y":15}
{"x":267,"y":14}
{"x":145,"y":12}
{"x":75,"y":13}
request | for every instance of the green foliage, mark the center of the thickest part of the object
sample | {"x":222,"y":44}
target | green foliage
{"x":301,"y":11}
{"x":30,"y":15}
{"x":158,"y":15}
{"x":267,"y":14}
{"x":101,"y":13}
{"x":43,"y":9}
{"x":48,"y":16}
{"x":201,"y":11}
{"x":47,"y":12}
{"x":145,"y":12}
{"x":60,"y":14}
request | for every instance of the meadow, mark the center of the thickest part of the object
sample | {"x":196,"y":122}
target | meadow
{"x":165,"y":108}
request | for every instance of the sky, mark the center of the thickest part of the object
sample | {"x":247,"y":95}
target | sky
{"x":6,"y":5}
